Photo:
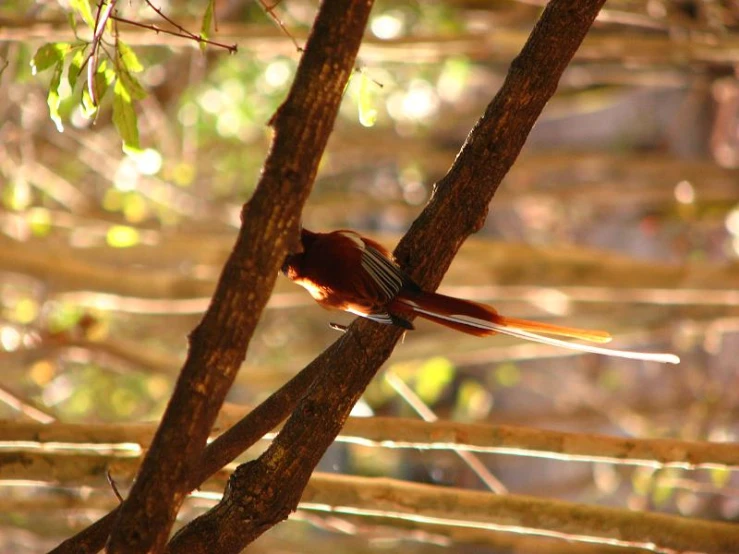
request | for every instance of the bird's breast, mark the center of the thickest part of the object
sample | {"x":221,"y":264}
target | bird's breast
{"x":318,"y":292}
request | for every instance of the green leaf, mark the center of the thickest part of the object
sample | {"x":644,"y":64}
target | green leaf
{"x":82,"y":7}
{"x":367,"y":111}
{"x":48,"y":55}
{"x":124,"y":116}
{"x":89,"y":109}
{"x":207,"y":22}
{"x":72,"y":20}
{"x":75,"y":67}
{"x":53,"y":99}
{"x":104,"y":77}
{"x":135,"y":90}
{"x":128,"y":57}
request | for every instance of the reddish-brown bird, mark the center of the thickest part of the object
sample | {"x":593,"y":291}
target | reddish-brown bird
{"x":346,"y":271}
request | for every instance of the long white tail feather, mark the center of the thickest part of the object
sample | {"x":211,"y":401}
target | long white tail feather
{"x":526,"y":335}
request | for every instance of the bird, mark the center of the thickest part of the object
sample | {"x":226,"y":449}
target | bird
{"x":346,"y":271}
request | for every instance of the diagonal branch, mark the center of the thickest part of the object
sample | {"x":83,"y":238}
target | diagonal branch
{"x":270,"y":222}
{"x":264,"y":492}
{"x":218,"y":453}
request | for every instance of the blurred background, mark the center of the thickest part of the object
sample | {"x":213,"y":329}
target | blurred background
{"x":622,"y":214}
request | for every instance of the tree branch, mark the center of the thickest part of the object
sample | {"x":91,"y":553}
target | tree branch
{"x":531,"y":516}
{"x":270,"y":222}
{"x":442,"y":511}
{"x":645,"y":48}
{"x":264,"y":492}
{"x":390,"y":432}
{"x":379,"y":432}
{"x":221,"y":451}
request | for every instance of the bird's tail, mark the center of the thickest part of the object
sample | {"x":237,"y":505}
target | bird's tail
{"x":481,"y":320}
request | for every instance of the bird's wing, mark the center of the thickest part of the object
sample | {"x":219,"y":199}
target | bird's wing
{"x":383,"y":271}
{"x":382,"y":280}
{"x":382,"y":274}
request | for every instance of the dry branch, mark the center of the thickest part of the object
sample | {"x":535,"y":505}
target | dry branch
{"x":64,"y":269}
{"x":66,"y":469}
{"x":26,"y":406}
{"x":221,"y":451}
{"x":497,"y":43}
{"x":392,"y":499}
{"x":385,"y":432}
{"x":441,"y":510}
{"x":524,"y":441}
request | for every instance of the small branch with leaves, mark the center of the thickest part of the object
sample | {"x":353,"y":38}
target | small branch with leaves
{"x":209,"y":18}
{"x":115,"y":71}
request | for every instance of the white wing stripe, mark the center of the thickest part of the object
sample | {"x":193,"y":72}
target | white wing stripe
{"x":386,"y":269}
{"x":382,"y":271}
{"x":379,"y":318}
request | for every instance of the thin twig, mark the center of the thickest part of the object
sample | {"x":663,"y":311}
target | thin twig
{"x":270,"y":11}
{"x":113,"y":486}
{"x":174,"y":24}
{"x":427,"y":414}
{"x":232,"y":48}
{"x":184,"y":32}
{"x":24,"y":406}
{"x":101,"y":19}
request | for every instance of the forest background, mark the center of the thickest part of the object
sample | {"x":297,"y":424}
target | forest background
{"x":621,"y":213}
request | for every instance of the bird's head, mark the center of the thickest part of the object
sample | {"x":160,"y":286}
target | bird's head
{"x":307,"y":238}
